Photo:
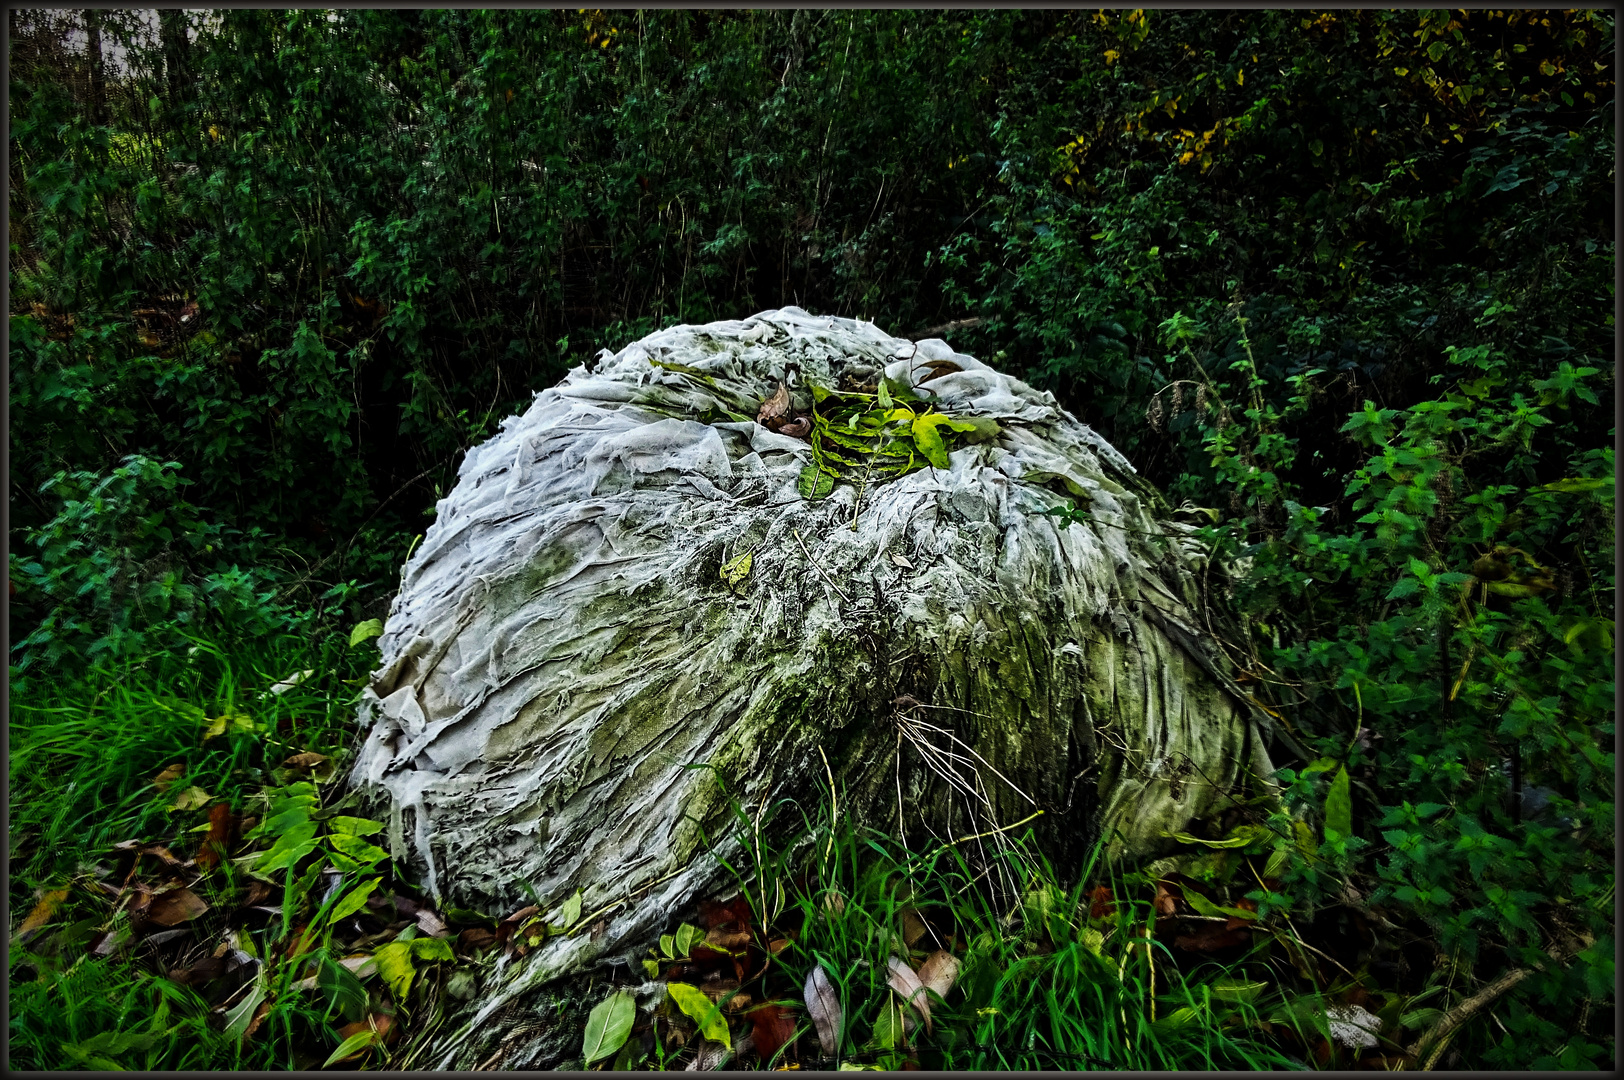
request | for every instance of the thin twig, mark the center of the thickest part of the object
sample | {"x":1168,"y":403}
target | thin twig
{"x":1437,"y":1038}
{"x":797,"y":534}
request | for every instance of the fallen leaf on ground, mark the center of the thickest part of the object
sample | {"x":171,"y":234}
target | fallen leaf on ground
{"x":205,"y":970}
{"x":474,"y":939}
{"x":362,"y":967}
{"x":214,"y":727}
{"x":382,"y":1023}
{"x":775,"y":409}
{"x":1211,"y":937}
{"x":41,"y":914}
{"x":938,"y":368}
{"x":1245,"y":905}
{"x":168,"y":776}
{"x":772,"y":1026}
{"x":1101,"y":903}
{"x":305,"y":760}
{"x":110,"y":942}
{"x":902,"y":562}
{"x":259,"y":1018}
{"x":191,"y":799}
{"x":175,"y":906}
{"x":777,"y":945}
{"x":707,"y":1057}
{"x":1166,"y":902}
{"x":823,"y":1006}
{"x":939,"y":971}
{"x":213,"y":847}
{"x":291,"y":681}
{"x":728,"y":939}
{"x":431,"y":924}
{"x":908,"y":987}
{"x":913,"y":927}
{"x":522,"y":913}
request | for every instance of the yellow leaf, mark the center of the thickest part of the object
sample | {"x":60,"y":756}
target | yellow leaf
{"x":191,"y":799}
{"x":164,"y":779}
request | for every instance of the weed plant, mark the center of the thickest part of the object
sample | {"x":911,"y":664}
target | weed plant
{"x":84,"y":754}
{"x":1048,"y":979}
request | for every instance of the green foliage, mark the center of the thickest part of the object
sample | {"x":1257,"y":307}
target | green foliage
{"x":1044,"y":984}
{"x":1341,"y":282}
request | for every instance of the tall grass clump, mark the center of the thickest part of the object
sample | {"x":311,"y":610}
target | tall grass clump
{"x":1053,"y":972}
{"x":143,"y":754}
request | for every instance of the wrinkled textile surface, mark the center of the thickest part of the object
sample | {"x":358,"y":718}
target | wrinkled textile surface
{"x":563,"y":649}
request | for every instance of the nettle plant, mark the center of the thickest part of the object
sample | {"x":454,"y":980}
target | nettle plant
{"x":1476,"y":676}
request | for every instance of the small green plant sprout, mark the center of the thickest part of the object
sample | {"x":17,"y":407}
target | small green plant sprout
{"x":674,"y":948}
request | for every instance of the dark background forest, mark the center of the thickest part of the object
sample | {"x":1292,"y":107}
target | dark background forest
{"x":1340,"y":283}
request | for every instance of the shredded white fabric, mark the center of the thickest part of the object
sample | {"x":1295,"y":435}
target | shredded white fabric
{"x":562,"y":652}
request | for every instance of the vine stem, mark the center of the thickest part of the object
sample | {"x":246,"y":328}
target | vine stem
{"x":863,"y":486}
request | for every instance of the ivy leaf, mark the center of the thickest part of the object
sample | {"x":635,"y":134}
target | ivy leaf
{"x":608,"y":1026}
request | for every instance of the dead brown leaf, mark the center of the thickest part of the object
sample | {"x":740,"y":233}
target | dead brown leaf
{"x":913,"y":927}
{"x":909,"y":988}
{"x":259,"y":1018}
{"x":823,"y":1005}
{"x":598,"y":929}
{"x":170,"y":774}
{"x":731,"y":940}
{"x":939,"y":971}
{"x":474,"y":939}
{"x":1245,"y":905}
{"x":217,"y":842}
{"x":163,"y":855}
{"x":306,"y":760}
{"x":1211,"y":937}
{"x":1102,"y":903}
{"x":109,"y":942}
{"x":775,"y":410}
{"x":191,"y":799}
{"x":1167,"y":899}
{"x":938,"y":368}
{"x":523,"y":913}
{"x":41,"y":914}
{"x":431,"y":924}
{"x":777,"y":945}
{"x":205,"y":970}
{"x":772,"y":1027}
{"x":175,"y":907}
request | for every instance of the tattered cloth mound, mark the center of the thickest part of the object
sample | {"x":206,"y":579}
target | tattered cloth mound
{"x":566,"y":647}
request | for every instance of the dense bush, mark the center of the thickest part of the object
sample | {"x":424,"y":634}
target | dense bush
{"x":1341,"y":283}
